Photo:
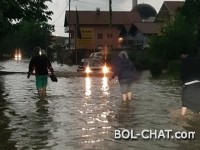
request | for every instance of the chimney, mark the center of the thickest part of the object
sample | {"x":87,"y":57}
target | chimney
{"x":98,"y":11}
{"x":134,"y":3}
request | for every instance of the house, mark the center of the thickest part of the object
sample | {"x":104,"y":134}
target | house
{"x":168,"y":10}
{"x":144,"y":31}
{"x":58,"y":48}
{"x":59,"y":41}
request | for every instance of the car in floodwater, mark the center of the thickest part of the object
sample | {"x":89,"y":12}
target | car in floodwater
{"x":18,"y":55}
{"x":95,"y":64}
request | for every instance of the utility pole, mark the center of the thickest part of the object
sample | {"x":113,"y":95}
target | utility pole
{"x":76,"y":35}
{"x":108,"y":50}
{"x":69,"y":27}
{"x":110,"y":13}
{"x":69,"y":44}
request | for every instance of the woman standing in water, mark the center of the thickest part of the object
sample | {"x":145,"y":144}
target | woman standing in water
{"x":123,"y":68}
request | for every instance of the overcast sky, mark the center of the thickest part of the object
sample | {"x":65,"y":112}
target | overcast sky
{"x":60,"y":6}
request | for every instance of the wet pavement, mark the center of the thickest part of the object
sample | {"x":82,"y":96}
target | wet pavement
{"x":83,"y":113}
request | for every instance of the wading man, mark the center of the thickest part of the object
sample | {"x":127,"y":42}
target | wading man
{"x":40,"y":63}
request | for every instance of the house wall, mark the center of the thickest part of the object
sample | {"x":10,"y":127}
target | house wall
{"x":109,"y":37}
{"x":102,"y":36}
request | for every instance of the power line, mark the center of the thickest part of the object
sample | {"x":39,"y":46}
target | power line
{"x":60,"y":15}
{"x":95,"y":3}
{"x":59,"y":26}
{"x":85,"y":2}
{"x":91,"y":2}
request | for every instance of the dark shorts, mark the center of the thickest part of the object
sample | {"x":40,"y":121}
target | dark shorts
{"x":125,"y":85}
{"x":191,"y":97}
{"x":41,"y":81}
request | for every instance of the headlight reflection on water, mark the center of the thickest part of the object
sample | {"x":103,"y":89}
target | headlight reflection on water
{"x":88,"y":91}
{"x":95,"y":117}
{"x":105,"y":87}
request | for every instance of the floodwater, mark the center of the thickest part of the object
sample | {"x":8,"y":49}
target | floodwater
{"x":83,"y":113}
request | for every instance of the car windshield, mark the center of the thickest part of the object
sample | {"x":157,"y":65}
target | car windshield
{"x":97,"y":54}
{"x":93,"y":63}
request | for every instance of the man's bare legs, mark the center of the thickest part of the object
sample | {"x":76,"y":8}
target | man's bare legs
{"x":183,"y":111}
{"x":129,"y":95}
{"x":42,"y":92}
{"x":124,"y":97}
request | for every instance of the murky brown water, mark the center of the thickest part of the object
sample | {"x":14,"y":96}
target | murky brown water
{"x":83,"y":113}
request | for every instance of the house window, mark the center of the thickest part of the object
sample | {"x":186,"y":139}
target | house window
{"x":110,"y":35}
{"x":100,"y":36}
{"x":140,"y":40}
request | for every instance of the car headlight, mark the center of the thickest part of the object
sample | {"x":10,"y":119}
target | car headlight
{"x":105,"y":69}
{"x":87,"y":69}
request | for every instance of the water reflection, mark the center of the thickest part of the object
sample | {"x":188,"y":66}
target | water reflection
{"x":88,"y":91}
{"x":68,"y":120}
{"x":39,"y":127}
{"x":192,"y":125}
{"x":5,"y":131}
{"x":105,"y":87}
{"x":125,"y":115}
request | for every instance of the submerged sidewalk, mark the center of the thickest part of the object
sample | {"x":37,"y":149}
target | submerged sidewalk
{"x":21,"y":67}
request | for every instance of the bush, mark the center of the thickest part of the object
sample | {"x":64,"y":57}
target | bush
{"x":174,"y":68}
{"x":139,"y":58}
{"x":156,"y":67}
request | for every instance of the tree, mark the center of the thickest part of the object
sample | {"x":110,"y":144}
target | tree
{"x":23,"y":23}
{"x":178,"y":36}
{"x":31,"y":34}
{"x":26,"y":10}
{"x":183,"y":34}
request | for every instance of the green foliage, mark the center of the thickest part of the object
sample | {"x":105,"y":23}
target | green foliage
{"x":26,"y":35}
{"x":26,"y":10}
{"x":191,"y":10}
{"x":23,"y":24}
{"x":6,"y":31}
{"x":182,"y":34}
{"x":174,"y":68}
{"x":176,"y":37}
{"x":32,"y":34}
{"x":156,"y":67}
{"x":140,"y":58}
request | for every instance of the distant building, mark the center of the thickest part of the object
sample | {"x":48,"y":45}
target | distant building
{"x":58,"y":47}
{"x":126,"y":30}
{"x":129,"y":29}
{"x":168,"y":10}
{"x":59,"y":41}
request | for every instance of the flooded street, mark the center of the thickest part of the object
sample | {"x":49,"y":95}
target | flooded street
{"x":83,"y":113}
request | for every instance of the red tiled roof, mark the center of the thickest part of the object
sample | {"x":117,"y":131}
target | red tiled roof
{"x":102,"y":17}
{"x":148,"y":27}
{"x":172,"y":6}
